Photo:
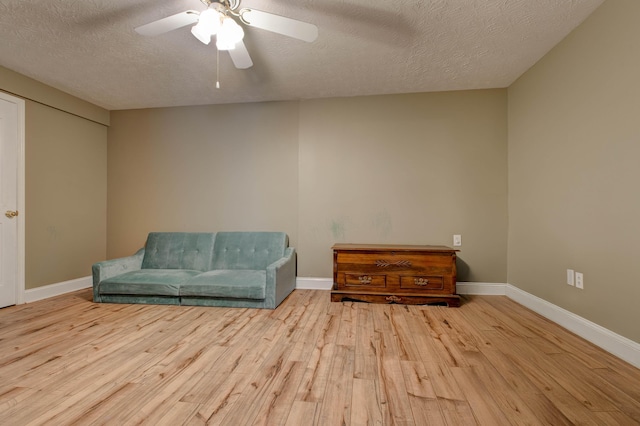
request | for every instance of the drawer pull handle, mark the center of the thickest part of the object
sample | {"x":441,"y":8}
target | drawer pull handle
{"x":365,"y":279}
{"x":384,"y":264}
{"x":393,"y":299}
{"x":421,"y":281}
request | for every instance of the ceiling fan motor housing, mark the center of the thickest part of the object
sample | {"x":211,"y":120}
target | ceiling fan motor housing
{"x":228,"y":4}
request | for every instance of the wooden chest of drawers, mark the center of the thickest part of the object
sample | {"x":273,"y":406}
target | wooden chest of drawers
{"x":394,"y":274}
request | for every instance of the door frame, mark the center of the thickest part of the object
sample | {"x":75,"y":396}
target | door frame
{"x":20,"y":271}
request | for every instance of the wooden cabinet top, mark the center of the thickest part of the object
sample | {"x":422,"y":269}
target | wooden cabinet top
{"x":392,"y":247}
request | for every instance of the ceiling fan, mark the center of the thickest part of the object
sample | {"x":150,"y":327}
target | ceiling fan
{"x":218,"y":19}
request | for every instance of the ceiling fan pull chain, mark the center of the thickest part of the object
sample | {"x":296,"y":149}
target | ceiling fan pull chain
{"x":217,"y":68}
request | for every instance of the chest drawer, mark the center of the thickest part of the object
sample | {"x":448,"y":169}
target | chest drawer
{"x":413,"y":282}
{"x":365,"y":280}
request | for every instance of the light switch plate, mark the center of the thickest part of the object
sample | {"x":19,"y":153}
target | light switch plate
{"x":457,"y":240}
{"x":570,"y":277}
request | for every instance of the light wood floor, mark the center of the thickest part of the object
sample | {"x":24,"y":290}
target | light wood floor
{"x":491,"y":362}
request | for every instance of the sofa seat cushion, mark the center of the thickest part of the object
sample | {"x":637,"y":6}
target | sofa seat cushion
{"x":159,"y":282}
{"x":233,"y":284}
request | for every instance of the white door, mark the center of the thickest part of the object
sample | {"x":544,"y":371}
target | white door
{"x":10,"y":134}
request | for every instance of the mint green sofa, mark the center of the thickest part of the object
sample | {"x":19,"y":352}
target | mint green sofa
{"x":234,"y":269}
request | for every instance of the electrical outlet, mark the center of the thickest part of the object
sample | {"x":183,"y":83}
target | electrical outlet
{"x":570,"y":277}
{"x":579,"y":280}
{"x":457,"y":240}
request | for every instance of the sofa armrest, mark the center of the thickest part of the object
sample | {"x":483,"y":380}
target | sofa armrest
{"x":281,"y":278}
{"x":110,"y":268}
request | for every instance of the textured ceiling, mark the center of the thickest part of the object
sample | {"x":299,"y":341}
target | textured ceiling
{"x":89,"y":48}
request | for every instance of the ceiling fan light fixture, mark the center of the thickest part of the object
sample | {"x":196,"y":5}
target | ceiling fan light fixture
{"x":207,"y":26}
{"x":223,"y":45}
{"x":219,"y":19}
{"x":201,"y":34}
{"x":229,"y":34}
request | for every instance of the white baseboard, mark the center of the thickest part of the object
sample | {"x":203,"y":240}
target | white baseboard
{"x":611,"y":342}
{"x":314,"y":283}
{"x":484,"y":289}
{"x":44,"y":292}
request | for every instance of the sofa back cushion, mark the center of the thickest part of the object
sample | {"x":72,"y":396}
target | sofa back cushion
{"x":179,"y":250}
{"x":248,"y":250}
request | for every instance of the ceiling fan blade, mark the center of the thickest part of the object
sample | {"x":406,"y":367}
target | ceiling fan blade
{"x":279,"y":24}
{"x":169,"y":23}
{"x":240,"y":56}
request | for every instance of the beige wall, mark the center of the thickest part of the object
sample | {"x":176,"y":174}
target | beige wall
{"x":66,"y":203}
{"x":411,"y":169}
{"x":65,"y":173}
{"x":209,"y":168}
{"x":574,"y":145}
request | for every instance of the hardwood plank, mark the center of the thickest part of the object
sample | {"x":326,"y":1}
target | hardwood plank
{"x":457,"y":412}
{"x":441,"y":343}
{"x":274,"y":383}
{"x":68,"y":361}
{"x":561,"y":340}
{"x":11,"y":396}
{"x":422,"y":397}
{"x":601,"y":395}
{"x":302,"y":413}
{"x":392,"y":393}
{"x":336,"y":402}
{"x":226,"y":390}
{"x":315,"y":306}
{"x":366,"y":407}
{"x":365,"y":362}
{"x":348,"y":323}
{"x":485,"y":409}
{"x":614,"y":418}
{"x":535,"y":365}
{"x":489,"y":382}
{"x":280,"y":397}
{"x":407,"y":349}
{"x":315,"y":380}
{"x":547,"y":413}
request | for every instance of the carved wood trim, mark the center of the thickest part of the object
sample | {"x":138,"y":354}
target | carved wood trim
{"x":381,"y":263}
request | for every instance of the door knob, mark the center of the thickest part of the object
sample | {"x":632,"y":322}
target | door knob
{"x":11,"y":214}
